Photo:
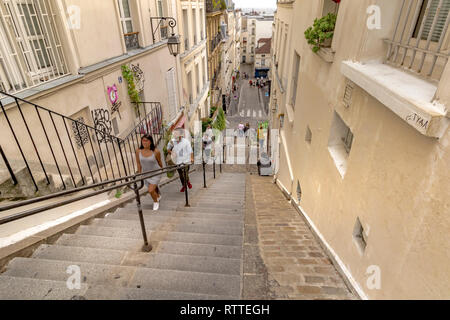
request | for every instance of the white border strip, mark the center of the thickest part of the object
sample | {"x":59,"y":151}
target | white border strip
{"x":16,"y":237}
{"x":341,"y":264}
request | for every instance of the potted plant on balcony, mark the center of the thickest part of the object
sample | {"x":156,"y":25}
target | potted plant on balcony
{"x":322,"y":31}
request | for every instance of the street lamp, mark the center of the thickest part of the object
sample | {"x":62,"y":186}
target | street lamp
{"x":174,"y":45}
{"x":173,"y":42}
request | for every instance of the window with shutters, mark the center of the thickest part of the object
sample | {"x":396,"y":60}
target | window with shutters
{"x":427,"y":21}
{"x":172,"y":93}
{"x":30,"y":47}
{"x":295,"y":74}
{"x":125,"y":16}
{"x":421,"y":39}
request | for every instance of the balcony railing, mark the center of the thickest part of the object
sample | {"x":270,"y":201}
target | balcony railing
{"x":131,"y":40}
{"x":215,"y":41}
{"x":418,"y":41}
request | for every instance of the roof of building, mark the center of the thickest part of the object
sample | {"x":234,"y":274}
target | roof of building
{"x":264,"y":49}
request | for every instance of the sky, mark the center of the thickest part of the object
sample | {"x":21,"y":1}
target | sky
{"x":256,"y":3}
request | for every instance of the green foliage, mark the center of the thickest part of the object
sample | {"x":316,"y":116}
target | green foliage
{"x":167,"y":137}
{"x":132,"y":92}
{"x":321,"y":30}
{"x":212,"y":111}
{"x":205,"y":123}
{"x":219,"y":4}
{"x":220,"y":123}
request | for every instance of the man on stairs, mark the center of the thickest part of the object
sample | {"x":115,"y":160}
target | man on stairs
{"x":181,"y":152}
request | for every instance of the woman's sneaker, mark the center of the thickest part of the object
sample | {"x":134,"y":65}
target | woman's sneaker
{"x":159,"y":197}
{"x":155,"y":206}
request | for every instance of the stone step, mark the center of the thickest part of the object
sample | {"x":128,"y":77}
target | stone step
{"x":78,"y":240}
{"x":79,"y":254}
{"x":212,"y":210}
{"x":160,"y":213}
{"x":203,"y":238}
{"x":181,"y":281}
{"x":213,"y":205}
{"x":180,"y":218}
{"x":173,"y":225}
{"x":12,"y":288}
{"x":154,"y":260}
{"x":101,"y":292}
{"x":195,"y":249}
{"x":181,"y":248}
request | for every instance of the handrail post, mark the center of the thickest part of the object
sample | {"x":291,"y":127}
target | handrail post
{"x":123,"y":160}
{"x":11,"y":172}
{"x":186,"y":186}
{"x":214,"y":167}
{"x":204,"y":173}
{"x":147,"y":247}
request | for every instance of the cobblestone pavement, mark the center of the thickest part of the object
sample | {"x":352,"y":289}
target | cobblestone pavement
{"x":282,"y":259}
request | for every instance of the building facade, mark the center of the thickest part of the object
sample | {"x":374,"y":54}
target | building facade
{"x":194,"y":59}
{"x":262,"y":57}
{"x":53,"y":58}
{"x":248,"y":40}
{"x":364,"y":144}
{"x":214,"y":19}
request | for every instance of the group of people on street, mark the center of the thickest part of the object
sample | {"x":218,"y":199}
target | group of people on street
{"x":251,"y":134}
{"x":260,"y":83}
{"x":148,"y":158}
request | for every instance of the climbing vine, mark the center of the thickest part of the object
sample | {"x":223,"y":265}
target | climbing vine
{"x":132,"y":92}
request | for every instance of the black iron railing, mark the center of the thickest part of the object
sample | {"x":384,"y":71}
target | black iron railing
{"x":150,"y":122}
{"x":132,"y":40}
{"x":215,"y":42}
{"x":134,"y":182}
{"x":50,"y":143}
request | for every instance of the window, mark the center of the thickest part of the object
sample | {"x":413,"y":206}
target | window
{"x":172,"y":93}
{"x":263,"y":62}
{"x":340,"y":143}
{"x":329,"y":6}
{"x":30,"y":47}
{"x":125,"y":16}
{"x":359,"y":236}
{"x":295,"y":79}
{"x":299,"y":192}
{"x":440,"y":22}
{"x":186,"y":29}
{"x":308,"y":136}
{"x":160,"y":8}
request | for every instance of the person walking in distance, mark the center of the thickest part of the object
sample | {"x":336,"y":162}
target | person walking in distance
{"x":261,"y":137}
{"x":181,"y":148}
{"x":148,"y":158}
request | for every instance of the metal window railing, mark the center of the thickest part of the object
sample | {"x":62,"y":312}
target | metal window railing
{"x":132,"y":40}
{"x":420,"y":34}
{"x":30,"y":47}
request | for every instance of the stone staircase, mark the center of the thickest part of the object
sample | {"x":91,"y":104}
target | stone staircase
{"x":197,"y":251}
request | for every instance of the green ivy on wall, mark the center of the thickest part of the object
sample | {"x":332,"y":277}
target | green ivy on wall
{"x":132,"y":92}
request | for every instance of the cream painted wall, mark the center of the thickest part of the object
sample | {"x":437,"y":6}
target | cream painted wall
{"x":397,"y":181}
{"x":100,"y":35}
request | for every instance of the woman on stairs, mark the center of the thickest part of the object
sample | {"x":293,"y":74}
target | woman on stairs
{"x":148,"y":158}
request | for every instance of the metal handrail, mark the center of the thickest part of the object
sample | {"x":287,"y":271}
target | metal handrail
{"x":79,"y":189}
{"x":134,"y":179}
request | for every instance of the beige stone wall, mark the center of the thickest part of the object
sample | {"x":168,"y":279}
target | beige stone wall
{"x":397,"y":180}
